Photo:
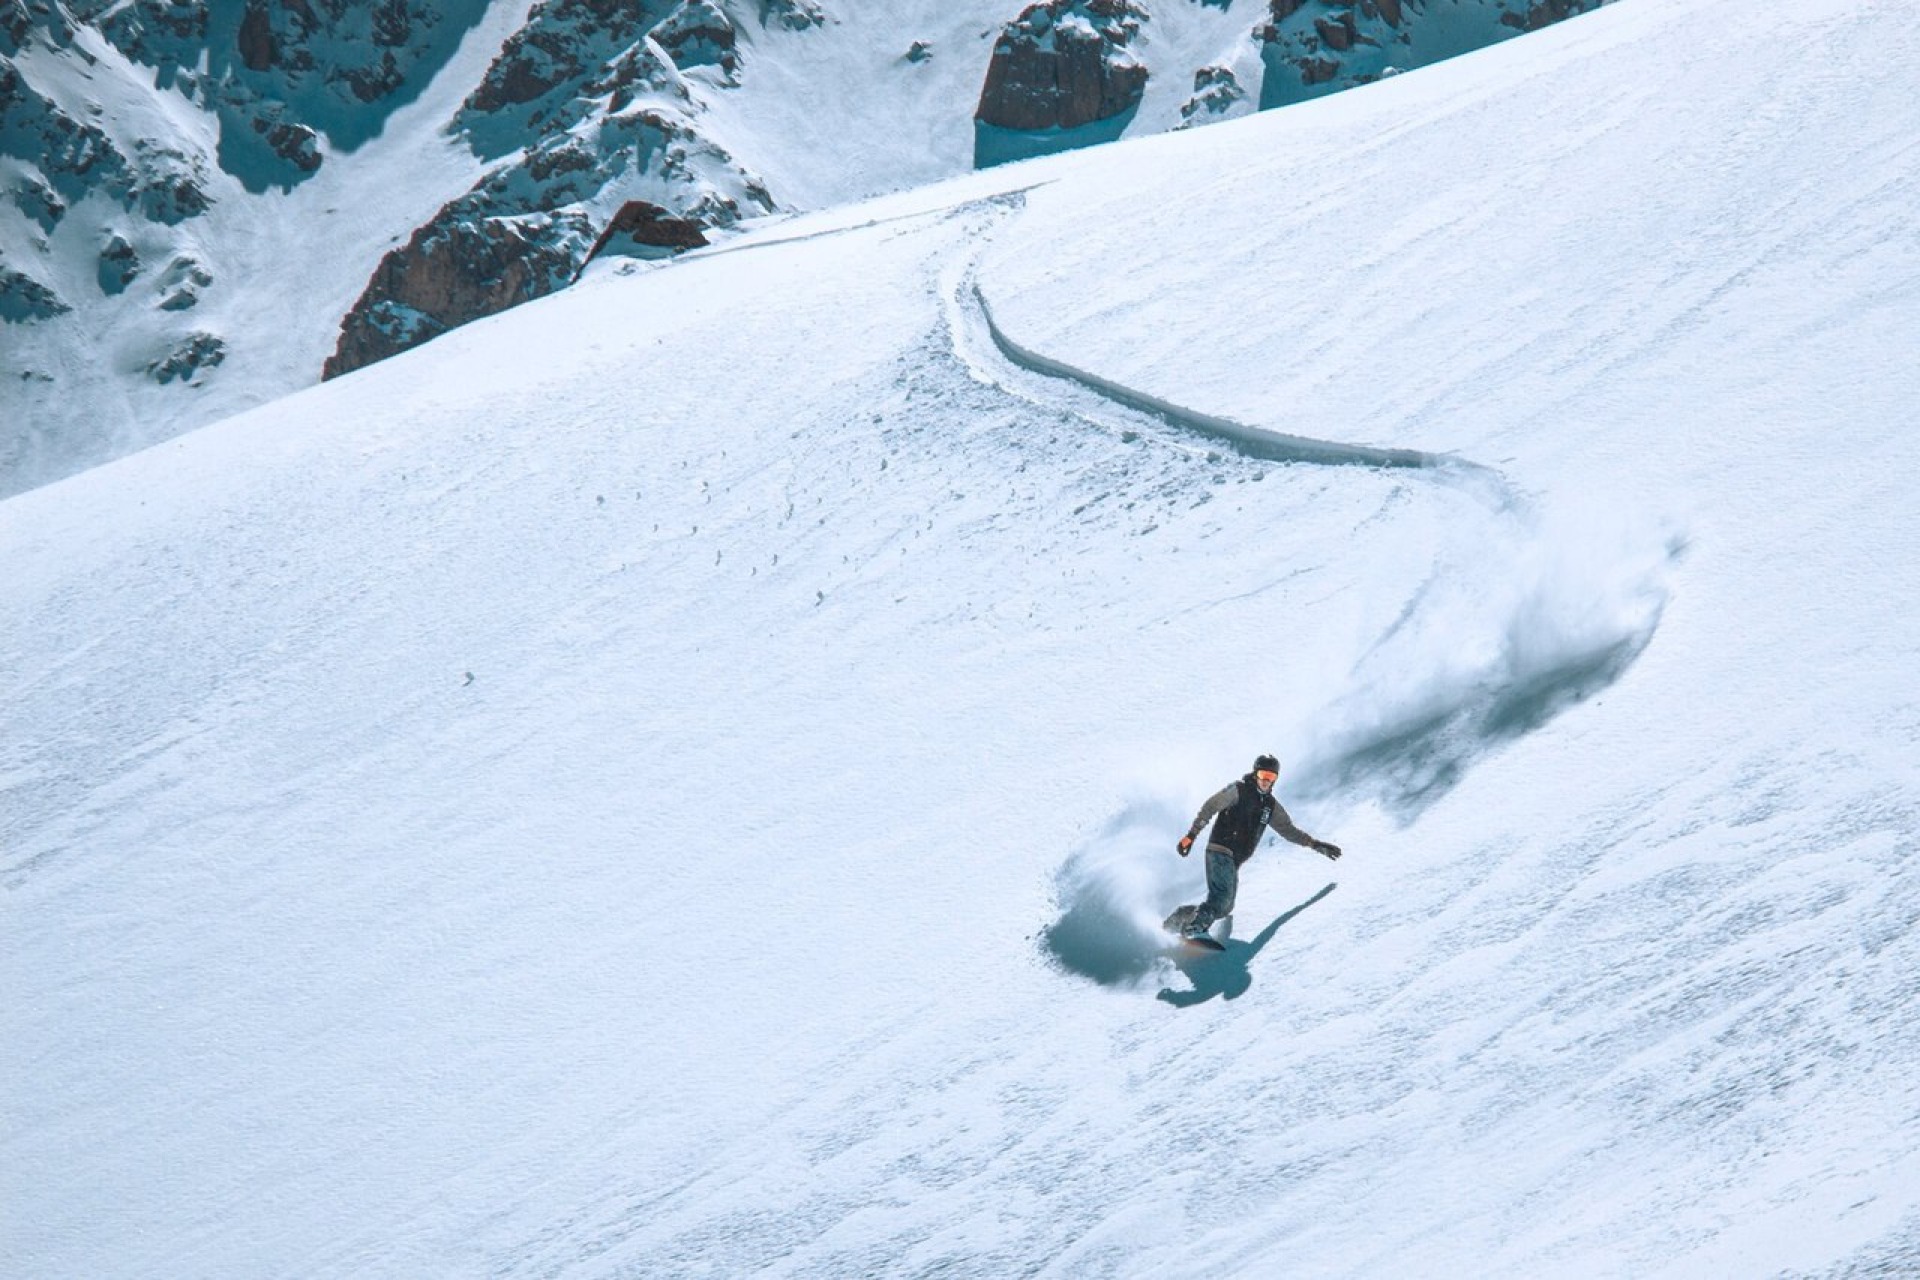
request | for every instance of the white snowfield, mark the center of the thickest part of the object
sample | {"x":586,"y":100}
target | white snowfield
{"x":680,"y":779}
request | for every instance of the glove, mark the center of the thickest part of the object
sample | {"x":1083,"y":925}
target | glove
{"x":1186,"y":845}
{"x":1331,"y":850}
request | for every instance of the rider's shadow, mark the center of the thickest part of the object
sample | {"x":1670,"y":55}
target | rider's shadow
{"x":1225,"y":973}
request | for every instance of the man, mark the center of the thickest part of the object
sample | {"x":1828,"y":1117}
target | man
{"x":1241,"y":814}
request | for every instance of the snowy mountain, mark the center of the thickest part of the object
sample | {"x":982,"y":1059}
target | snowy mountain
{"x":680,"y":778}
{"x":403,"y":168}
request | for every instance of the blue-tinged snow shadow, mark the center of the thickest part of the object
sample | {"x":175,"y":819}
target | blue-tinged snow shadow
{"x":1408,"y":763}
{"x":1114,"y":891}
{"x":993,"y":145}
{"x":1484,"y":655}
{"x":1228,"y":973}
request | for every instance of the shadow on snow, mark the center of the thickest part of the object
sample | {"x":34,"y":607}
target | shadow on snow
{"x":1226,"y":973}
{"x":1410,"y":762}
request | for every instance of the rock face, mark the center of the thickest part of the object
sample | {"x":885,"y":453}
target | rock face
{"x":1315,"y":47}
{"x":608,"y":125}
{"x":700,"y":34}
{"x":644,"y":230}
{"x":1531,"y":17}
{"x":794,"y":15}
{"x":119,"y":266}
{"x":65,"y":158}
{"x":200,"y":352}
{"x":454,"y":270}
{"x":24,"y":298}
{"x":280,"y":75}
{"x":1215,"y":93}
{"x":1061,"y":65}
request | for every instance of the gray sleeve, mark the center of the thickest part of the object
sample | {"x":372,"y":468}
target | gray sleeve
{"x":1220,"y":800}
{"x":1281,"y":823}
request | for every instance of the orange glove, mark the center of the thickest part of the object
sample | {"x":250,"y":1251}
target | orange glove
{"x":1186,"y":845}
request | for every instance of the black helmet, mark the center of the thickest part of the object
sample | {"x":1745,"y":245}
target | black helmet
{"x":1266,"y":764}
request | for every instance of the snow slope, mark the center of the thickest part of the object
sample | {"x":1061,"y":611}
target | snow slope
{"x":280,"y":266}
{"x":678,"y":779}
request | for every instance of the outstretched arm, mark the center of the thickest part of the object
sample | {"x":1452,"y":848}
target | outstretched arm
{"x":1283,"y":824}
{"x":1208,"y":811}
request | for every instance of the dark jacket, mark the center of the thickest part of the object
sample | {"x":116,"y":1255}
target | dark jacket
{"x":1241,"y":815}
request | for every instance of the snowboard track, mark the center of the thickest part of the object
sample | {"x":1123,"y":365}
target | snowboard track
{"x":1405,"y":748}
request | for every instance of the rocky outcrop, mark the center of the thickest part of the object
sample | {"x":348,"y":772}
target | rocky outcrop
{"x":700,"y":34}
{"x":644,"y":230}
{"x":454,"y":270}
{"x":1216,"y":92}
{"x":1532,"y":17}
{"x":1063,"y":64}
{"x":1314,"y":47}
{"x":20,"y":19}
{"x":597,"y":125}
{"x":119,"y":266}
{"x":182,"y":283}
{"x":70,"y":157}
{"x":283,"y":74}
{"x":24,"y":298}
{"x":794,"y":15}
{"x":186,"y":362}
{"x":63,"y":159}
{"x":37,"y":201}
{"x":549,"y":73}
{"x":531,"y":227}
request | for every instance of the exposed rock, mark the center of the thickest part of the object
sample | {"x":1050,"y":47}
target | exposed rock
{"x":1309,"y":49}
{"x":919,"y":51}
{"x":152,"y":32}
{"x":20,"y":19}
{"x":182,"y":283}
{"x":16,"y":24}
{"x":550,"y":72}
{"x":591,"y":95}
{"x":529,"y":228}
{"x":795,"y":15}
{"x":1339,"y":33}
{"x":296,"y":144}
{"x":1544,"y":13}
{"x":38,"y":201}
{"x":23,"y":298}
{"x":281,"y":74}
{"x":699,"y":34}
{"x":66,"y":159}
{"x":645,"y":230}
{"x":1216,"y":92}
{"x":201,"y":351}
{"x":455,"y":270}
{"x":119,"y":266}
{"x":1063,"y":64}
{"x":170,"y":186}
{"x":73,"y":158}
{"x":256,"y":38}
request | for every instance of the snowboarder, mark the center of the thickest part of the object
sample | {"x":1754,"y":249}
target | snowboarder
{"x":1241,"y":813}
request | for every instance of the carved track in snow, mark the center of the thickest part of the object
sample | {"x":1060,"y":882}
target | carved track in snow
{"x":1541,"y":612}
{"x":993,"y":356}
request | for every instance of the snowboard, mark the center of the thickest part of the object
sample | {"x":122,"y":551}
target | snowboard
{"x":1179,"y":924}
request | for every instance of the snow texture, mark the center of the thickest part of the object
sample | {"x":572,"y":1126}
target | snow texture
{"x":679,"y":779}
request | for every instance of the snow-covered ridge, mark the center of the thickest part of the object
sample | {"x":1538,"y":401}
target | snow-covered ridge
{"x":236,"y":141}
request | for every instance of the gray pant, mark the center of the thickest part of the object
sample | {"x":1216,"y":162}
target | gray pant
{"x":1223,"y":882}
